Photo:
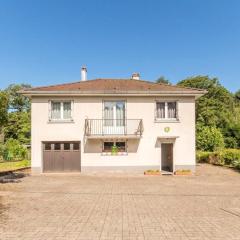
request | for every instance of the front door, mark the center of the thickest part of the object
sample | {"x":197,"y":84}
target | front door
{"x":114,"y":117}
{"x":167,"y":157}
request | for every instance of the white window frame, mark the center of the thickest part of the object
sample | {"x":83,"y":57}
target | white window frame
{"x":61,"y":119}
{"x":166,"y":111}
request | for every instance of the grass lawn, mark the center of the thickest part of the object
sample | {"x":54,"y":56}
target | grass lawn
{"x":7,"y":166}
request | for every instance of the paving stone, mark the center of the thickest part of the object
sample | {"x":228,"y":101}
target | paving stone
{"x":114,"y":206}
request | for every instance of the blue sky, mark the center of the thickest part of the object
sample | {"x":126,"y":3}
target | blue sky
{"x":46,"y":42}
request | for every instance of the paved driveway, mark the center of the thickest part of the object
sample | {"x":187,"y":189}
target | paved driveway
{"x":98,"y":206}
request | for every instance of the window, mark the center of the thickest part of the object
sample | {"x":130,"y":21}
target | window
{"x":47,"y":146}
{"x":75,"y":146}
{"x":57,"y":146}
{"x":121,"y":146}
{"x":114,"y":147}
{"x":66,"y":146}
{"x":166,"y":110}
{"x":160,"y":110}
{"x":107,"y":146}
{"x":171,"y":107}
{"x":114,"y":113}
{"x":61,"y":110}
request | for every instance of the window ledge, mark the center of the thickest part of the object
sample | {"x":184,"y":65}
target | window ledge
{"x":114,"y":155}
{"x":61,"y":121}
{"x":167,"y":121}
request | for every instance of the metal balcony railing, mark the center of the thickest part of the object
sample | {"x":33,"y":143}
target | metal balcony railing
{"x":98,"y":127}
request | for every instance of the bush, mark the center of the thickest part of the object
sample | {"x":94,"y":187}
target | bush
{"x":209,"y":139}
{"x":229,"y":157}
{"x":13,"y":150}
{"x":216,"y":158}
{"x":203,"y":157}
{"x":236,"y":164}
{"x":230,"y":142}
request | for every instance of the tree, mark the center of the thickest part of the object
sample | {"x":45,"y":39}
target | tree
{"x":163,"y":80}
{"x":18,"y":102}
{"x":3,"y":108}
{"x":18,"y":127}
{"x":202,"y":82}
{"x":214,"y":108}
{"x":217,"y":109}
{"x":237,"y":97}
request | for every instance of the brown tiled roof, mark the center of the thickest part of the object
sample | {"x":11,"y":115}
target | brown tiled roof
{"x":114,"y":85}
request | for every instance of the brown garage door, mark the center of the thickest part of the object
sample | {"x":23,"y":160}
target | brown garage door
{"x":61,"y":157}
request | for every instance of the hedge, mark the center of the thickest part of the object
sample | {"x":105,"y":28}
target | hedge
{"x":227,"y":157}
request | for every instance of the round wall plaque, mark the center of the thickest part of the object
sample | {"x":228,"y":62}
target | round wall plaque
{"x":167,"y":129}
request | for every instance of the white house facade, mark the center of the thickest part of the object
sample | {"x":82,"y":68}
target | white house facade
{"x":110,"y":124}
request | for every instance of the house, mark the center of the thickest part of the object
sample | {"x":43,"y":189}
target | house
{"x":103,"y":124}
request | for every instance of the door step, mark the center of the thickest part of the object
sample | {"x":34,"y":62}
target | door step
{"x":166,"y":173}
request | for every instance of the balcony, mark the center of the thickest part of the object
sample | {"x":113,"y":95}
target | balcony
{"x":113,"y":128}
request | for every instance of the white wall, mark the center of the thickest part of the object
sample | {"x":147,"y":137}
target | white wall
{"x":148,"y":147}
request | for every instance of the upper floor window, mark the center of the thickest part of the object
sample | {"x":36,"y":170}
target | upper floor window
{"x":166,"y":110}
{"x":61,"y":110}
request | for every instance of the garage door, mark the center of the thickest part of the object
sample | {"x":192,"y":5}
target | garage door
{"x":61,"y":157}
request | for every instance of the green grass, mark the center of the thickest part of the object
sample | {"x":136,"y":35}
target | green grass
{"x":8,"y":166}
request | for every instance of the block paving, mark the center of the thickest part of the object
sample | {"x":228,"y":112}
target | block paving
{"x":118,"y":205}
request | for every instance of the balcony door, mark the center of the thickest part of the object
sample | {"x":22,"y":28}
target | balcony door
{"x":114,"y":117}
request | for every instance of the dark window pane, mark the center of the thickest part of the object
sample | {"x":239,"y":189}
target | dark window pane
{"x":121,"y":146}
{"x":75,"y":146}
{"x":66,"y":146}
{"x":47,"y":146}
{"x":107,"y":146}
{"x":57,"y":146}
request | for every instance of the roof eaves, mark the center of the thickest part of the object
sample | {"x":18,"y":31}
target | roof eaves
{"x":79,"y":92}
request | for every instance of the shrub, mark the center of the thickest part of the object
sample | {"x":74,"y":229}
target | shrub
{"x":13,"y":150}
{"x":230,"y":142}
{"x":209,"y":139}
{"x":229,"y":157}
{"x":203,"y":157}
{"x":216,"y":159}
{"x":236,"y":164}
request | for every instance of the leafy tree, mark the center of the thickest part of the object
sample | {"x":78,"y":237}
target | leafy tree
{"x":3,"y":108}
{"x":18,"y":127}
{"x":214,"y":108}
{"x":18,"y":102}
{"x":163,"y":80}
{"x":209,"y":139}
{"x":202,"y":82}
{"x":237,"y":97}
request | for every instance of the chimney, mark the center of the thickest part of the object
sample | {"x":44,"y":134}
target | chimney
{"x":136,"y":76}
{"x":84,"y":73}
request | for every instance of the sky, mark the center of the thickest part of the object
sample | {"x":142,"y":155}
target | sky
{"x":46,"y":42}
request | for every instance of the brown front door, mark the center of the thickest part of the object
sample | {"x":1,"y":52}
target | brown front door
{"x":167,"y":157}
{"x":61,"y":157}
